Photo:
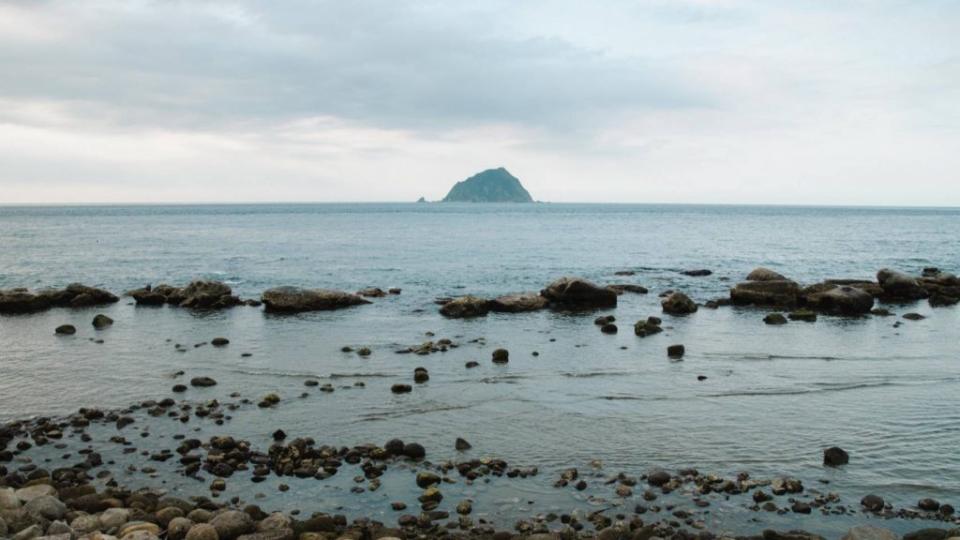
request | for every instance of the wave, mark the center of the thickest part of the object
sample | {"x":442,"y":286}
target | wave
{"x":393,"y":414}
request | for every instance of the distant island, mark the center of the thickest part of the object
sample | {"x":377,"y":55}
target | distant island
{"x":492,"y":185}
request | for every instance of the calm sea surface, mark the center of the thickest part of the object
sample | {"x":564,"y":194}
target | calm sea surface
{"x":774,"y":397}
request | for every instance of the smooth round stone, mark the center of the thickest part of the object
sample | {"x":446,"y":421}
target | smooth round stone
{"x":46,"y":506}
{"x":202,"y":531}
{"x":231,"y":524}
{"x":85,"y":524}
{"x":178,"y":528}
{"x":30,"y":493}
{"x":114,"y":518}
{"x":275,"y":521}
{"x":136,"y":527}
{"x":9,"y":499}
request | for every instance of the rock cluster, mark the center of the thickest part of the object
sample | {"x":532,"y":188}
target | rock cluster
{"x":568,"y":293}
{"x":74,"y":295}
{"x":198,"y":294}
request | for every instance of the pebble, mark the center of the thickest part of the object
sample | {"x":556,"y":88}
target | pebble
{"x":219,"y":342}
{"x":400,"y":388}
{"x":676,"y":351}
{"x":66,"y":330}
{"x":501,"y":356}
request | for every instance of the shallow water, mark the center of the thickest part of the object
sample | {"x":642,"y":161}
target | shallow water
{"x":774,"y":397}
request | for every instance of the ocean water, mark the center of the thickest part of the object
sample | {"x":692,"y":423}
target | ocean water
{"x":774,"y":397}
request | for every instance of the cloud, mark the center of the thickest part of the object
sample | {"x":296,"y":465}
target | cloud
{"x":680,"y":100}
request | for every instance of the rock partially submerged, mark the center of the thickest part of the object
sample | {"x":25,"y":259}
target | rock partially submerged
{"x":898,"y":286}
{"x":578,"y":293}
{"x":518,"y":303}
{"x":297,"y":300}
{"x":678,"y":304}
{"x":465,"y":307}
{"x":838,"y":299}
{"x":199,"y":294}
{"x":75,"y":295}
{"x":765,"y":292}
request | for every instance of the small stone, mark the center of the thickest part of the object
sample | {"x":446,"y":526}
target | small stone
{"x":219,"y":342}
{"x":869,"y":532}
{"x":101,"y":321}
{"x":928,"y":505}
{"x":414,"y":451}
{"x":913,"y":317}
{"x":202,"y":531}
{"x":364,"y":351}
{"x":676,"y":351}
{"x":872,"y":503}
{"x":501,"y":356}
{"x":609,"y":328}
{"x":464,"y":508}
{"x":658,"y":478}
{"x":202,"y":382}
{"x":179,"y":388}
{"x":231,"y":524}
{"x":420,"y":375}
{"x":426,"y":479}
{"x":401,"y":388}
{"x":471,"y":364}
{"x":66,"y":330}
{"x":178,"y":528}
{"x":775,"y":319}
{"x":462,"y":445}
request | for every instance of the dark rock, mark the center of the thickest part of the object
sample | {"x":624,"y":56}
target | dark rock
{"x":518,"y":303}
{"x":372,"y":292}
{"x":401,"y":388}
{"x":678,"y":304}
{"x":835,"y":456}
{"x":609,"y":328}
{"x":648,"y":327}
{"x":837,"y":299}
{"x":462,"y":445}
{"x":578,"y":293}
{"x":696,"y":273}
{"x":605,"y":319}
{"x":219,"y":342}
{"x":658,"y":478}
{"x":898,"y":286}
{"x":872,"y":503}
{"x":420,"y":375}
{"x":775,"y":318}
{"x":913,"y":317}
{"x":621,"y":288}
{"x":676,"y":351}
{"x":179,"y":388}
{"x":927,"y":534}
{"x":803,"y":315}
{"x":764,"y":274}
{"x":465,"y":307}
{"x":101,"y":321}
{"x":202,"y":382}
{"x":66,"y":329}
{"x":471,"y":364}
{"x":928,"y":505}
{"x":296,"y":300}
{"x":74,"y":295}
{"x":414,"y":451}
{"x":801,"y":507}
{"x":501,"y":356}
{"x":780,"y":293}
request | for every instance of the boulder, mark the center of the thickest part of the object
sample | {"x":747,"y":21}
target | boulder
{"x":517,"y":303}
{"x":621,"y":288}
{"x":872,"y":503}
{"x":296,"y":299}
{"x":838,"y":299}
{"x":578,"y":293}
{"x":678,"y":304}
{"x":869,"y":532}
{"x":372,"y":292}
{"x":231,"y":524}
{"x":764,"y":274}
{"x":47,"y":507}
{"x":835,"y":456}
{"x":101,"y":321}
{"x":465,"y":307}
{"x":780,"y":293}
{"x":775,"y":319}
{"x":898,"y":286}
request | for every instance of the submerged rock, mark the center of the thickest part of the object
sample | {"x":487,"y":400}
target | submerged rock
{"x":501,"y":356}
{"x":578,"y":293}
{"x":803,"y":315}
{"x":648,"y":327}
{"x":835,"y":456}
{"x":676,"y":351}
{"x":296,"y":300}
{"x":775,"y":319}
{"x":898,"y":286}
{"x":101,"y":321}
{"x":779,"y":293}
{"x":65,"y":330}
{"x":621,"y":288}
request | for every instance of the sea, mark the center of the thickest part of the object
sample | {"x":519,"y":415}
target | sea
{"x":773,"y":397}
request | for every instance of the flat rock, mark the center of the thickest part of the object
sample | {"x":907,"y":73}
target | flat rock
{"x":465,"y":307}
{"x":296,"y":299}
{"x":578,"y":293}
{"x":518,"y":303}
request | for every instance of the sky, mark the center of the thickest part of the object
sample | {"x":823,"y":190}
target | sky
{"x":834,"y":102}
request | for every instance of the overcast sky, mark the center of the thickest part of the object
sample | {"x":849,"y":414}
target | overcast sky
{"x":701,"y":101}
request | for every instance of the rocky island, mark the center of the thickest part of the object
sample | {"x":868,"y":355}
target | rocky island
{"x":491,"y":185}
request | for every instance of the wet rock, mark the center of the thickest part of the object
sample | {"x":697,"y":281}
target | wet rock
{"x":780,"y":293}
{"x":518,"y":303}
{"x":178,"y":528}
{"x":231,"y":524}
{"x":605,"y":319}
{"x":138,"y":528}
{"x":74,"y":295}
{"x":837,"y":299}
{"x":101,"y":321}
{"x":578,"y":293}
{"x":414,"y":451}
{"x":269,"y":400}
{"x":464,"y":508}
{"x":775,"y":319}
{"x":760,"y":496}
{"x":296,"y":300}
{"x":869,"y":532}
{"x":678,"y":304}
{"x":872,"y":503}
{"x":764,"y":274}
{"x":913,"y":317}
{"x":364,"y":352}
{"x":609,"y":328}
{"x":420,"y":375}
{"x":696,"y":273}
{"x":372,"y":292}
{"x":462,"y":445}
{"x":471,"y":364}
{"x":800,"y":507}
{"x":430,"y":494}
{"x":219,"y":342}
{"x":202,"y":382}
{"x":928,"y":505}
{"x":401,"y":388}
{"x":66,"y":330}
{"x":621,"y":288}
{"x":783,"y":485}
{"x":676,"y":351}
{"x":835,"y":456}
{"x":658,"y":478}
{"x":426,"y":479}
{"x":803,"y":315}
{"x":29,"y":493}
{"x":926,"y":534}
{"x":898,"y":286}
{"x":501,"y":356}
{"x":465,"y":307}
{"x":648,"y":327}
